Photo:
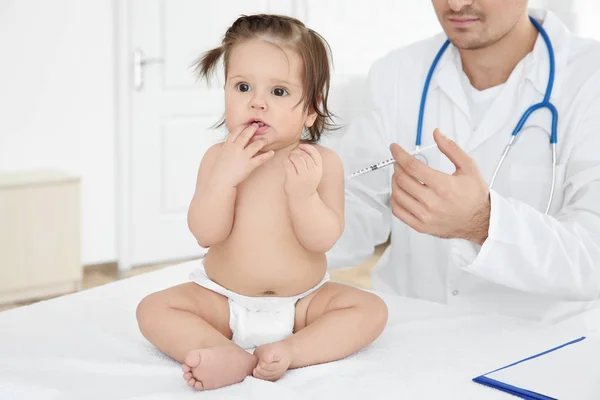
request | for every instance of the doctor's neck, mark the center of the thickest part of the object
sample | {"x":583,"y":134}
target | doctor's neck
{"x":492,"y":65}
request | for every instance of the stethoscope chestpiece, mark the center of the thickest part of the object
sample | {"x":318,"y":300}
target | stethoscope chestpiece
{"x":421,"y":158}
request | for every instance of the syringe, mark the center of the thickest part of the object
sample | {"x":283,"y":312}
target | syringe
{"x":385,"y":163}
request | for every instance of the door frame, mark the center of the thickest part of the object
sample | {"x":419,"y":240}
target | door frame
{"x":123,"y":120}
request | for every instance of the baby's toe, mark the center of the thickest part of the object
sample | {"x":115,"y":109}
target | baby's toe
{"x":268,"y":377}
{"x":257,"y":373}
{"x":186,"y":368}
{"x":187,"y":376}
{"x":267,"y":367}
{"x":264,"y":374}
{"x":193,"y":358}
{"x":198,"y":385}
{"x":191,"y":382}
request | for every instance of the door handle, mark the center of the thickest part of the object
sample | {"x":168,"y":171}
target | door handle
{"x":139,"y":61}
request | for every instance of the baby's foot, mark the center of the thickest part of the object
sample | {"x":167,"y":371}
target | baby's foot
{"x":273,"y":360}
{"x":216,"y":367}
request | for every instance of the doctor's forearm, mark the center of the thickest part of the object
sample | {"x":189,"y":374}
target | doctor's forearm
{"x":316,"y":225}
{"x":537,"y":253}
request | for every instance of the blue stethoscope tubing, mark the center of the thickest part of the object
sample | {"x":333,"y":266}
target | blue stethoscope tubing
{"x":545,"y":103}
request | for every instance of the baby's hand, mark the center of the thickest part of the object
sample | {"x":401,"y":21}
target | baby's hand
{"x":238,"y":158}
{"x":303,"y":172}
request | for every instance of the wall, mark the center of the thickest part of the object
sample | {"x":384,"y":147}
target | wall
{"x":56,"y":103}
{"x":585,"y":17}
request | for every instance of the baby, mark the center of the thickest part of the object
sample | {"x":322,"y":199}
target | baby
{"x":269,"y":202}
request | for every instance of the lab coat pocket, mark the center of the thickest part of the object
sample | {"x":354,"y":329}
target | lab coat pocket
{"x":531,"y":184}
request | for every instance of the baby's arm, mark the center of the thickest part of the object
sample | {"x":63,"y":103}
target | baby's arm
{"x":223,"y":167}
{"x":318,"y":218}
{"x":210,"y":216}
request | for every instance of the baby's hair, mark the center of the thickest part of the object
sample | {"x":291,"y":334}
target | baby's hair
{"x":312,"y":48}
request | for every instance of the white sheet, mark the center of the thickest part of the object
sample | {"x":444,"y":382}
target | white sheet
{"x":87,"y":346}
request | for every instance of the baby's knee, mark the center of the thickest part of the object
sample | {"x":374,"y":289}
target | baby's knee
{"x":147,"y":307}
{"x":377,"y":311}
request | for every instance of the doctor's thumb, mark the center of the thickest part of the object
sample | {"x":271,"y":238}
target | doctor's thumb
{"x":455,"y":154}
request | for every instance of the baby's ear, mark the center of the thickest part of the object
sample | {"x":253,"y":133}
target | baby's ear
{"x":312,"y":114}
{"x":310,"y":118}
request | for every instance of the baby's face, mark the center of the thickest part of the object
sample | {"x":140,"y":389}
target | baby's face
{"x":264,"y":83}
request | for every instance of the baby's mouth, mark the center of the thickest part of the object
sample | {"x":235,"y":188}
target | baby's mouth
{"x":262,"y":127}
{"x":260,"y":123}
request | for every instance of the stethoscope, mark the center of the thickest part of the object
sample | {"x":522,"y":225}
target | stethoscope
{"x":543,"y":104}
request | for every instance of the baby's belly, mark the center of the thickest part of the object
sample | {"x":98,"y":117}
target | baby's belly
{"x":264,"y":265}
{"x":262,"y":255}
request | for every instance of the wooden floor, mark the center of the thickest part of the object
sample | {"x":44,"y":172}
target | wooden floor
{"x":102,"y":274}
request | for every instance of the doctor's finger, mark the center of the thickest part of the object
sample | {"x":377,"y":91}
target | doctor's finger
{"x":405,"y":216}
{"x":461,"y":160}
{"x":411,"y":204}
{"x":411,"y":185}
{"x":416,"y":168}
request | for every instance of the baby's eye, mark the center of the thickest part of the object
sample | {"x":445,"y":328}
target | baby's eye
{"x":243,"y":87}
{"x":280,"y":92}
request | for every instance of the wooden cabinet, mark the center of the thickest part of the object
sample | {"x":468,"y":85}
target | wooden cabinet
{"x":40,"y":235}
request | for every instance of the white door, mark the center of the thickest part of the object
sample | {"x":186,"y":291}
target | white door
{"x":171,"y":115}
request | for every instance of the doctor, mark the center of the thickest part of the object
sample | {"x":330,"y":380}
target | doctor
{"x":453,"y":239}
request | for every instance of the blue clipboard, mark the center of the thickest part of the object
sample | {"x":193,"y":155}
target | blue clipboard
{"x":516,"y":391}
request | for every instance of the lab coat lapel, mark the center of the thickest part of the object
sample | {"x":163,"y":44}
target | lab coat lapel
{"x":447,"y":79}
{"x":455,"y":120}
{"x":502,"y":112}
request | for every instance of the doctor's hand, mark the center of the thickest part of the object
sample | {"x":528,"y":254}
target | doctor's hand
{"x":435,"y":203}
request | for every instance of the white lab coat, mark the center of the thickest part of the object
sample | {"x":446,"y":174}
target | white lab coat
{"x":534,"y":266}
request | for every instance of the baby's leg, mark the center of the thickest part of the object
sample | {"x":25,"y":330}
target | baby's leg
{"x":191,"y":324}
{"x":332,"y":323}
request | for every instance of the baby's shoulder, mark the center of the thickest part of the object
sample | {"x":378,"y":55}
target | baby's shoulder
{"x":332,"y":163}
{"x":214,"y":149}
{"x":211,"y":154}
{"x":327,"y":153}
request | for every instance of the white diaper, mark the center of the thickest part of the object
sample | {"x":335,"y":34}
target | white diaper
{"x":256,"y":320}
